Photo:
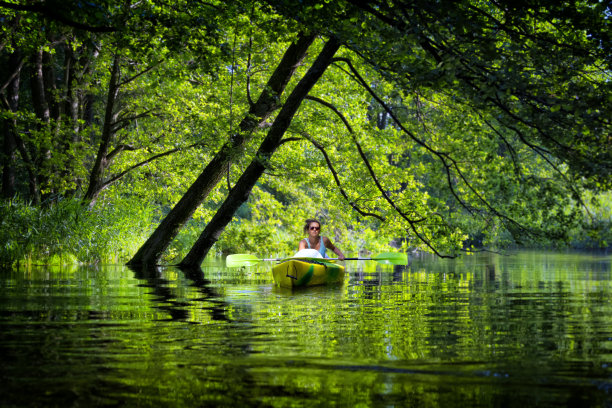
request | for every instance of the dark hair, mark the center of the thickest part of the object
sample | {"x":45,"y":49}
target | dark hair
{"x":308,"y":222}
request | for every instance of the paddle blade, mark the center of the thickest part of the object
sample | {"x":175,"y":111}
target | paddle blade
{"x":239,"y":260}
{"x":391,"y":258}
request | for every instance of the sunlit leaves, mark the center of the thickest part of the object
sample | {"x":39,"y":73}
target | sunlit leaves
{"x":504,"y":114}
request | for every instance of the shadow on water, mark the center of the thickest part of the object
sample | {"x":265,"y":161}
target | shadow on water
{"x":168,"y":301}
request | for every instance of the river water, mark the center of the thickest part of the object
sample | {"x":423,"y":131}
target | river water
{"x":515,"y":330}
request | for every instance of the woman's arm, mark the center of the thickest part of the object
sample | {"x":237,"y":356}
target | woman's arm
{"x":302,"y":245}
{"x":337,"y":251}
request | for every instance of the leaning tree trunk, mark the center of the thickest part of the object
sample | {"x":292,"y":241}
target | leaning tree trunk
{"x":241,"y":191}
{"x":151,"y":251}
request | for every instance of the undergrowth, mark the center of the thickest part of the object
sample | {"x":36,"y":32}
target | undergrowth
{"x":67,"y":232}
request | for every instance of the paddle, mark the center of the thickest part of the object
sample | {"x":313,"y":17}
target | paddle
{"x":391,"y":258}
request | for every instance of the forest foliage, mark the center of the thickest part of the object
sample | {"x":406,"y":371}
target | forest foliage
{"x":441,"y":126}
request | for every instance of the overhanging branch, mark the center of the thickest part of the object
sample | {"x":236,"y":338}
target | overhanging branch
{"x":118,"y":176}
{"x":412,"y":222}
{"x":330,"y":166}
{"x":447,"y":161}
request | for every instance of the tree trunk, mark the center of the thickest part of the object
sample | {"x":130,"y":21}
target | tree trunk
{"x":8,"y":127}
{"x":241,"y":191}
{"x":39,"y":99}
{"x":96,"y":176}
{"x":269,"y":100}
{"x":14,"y":141}
{"x":8,"y":160}
{"x":69,"y":109}
{"x":38,"y":153}
{"x":87,"y":100}
{"x":71,"y":101}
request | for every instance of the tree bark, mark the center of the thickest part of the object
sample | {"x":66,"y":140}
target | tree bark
{"x":38,"y":154}
{"x":269,"y":100}
{"x":97,"y":172}
{"x":8,"y":160}
{"x":14,"y":141}
{"x":39,"y":98}
{"x":8,"y":127}
{"x":241,"y":191}
{"x":71,"y":101}
{"x":50,"y":89}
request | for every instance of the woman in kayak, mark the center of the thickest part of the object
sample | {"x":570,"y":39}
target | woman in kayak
{"x":317,"y":241}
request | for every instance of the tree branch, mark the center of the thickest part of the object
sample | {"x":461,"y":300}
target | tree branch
{"x":144,"y":71}
{"x":412,"y":222}
{"x":142,"y":163}
{"x":330,"y":166}
{"x":51,"y":12}
{"x":117,"y":150}
{"x":125,"y":121}
{"x":334,"y":109}
{"x":13,"y":75}
{"x":447,"y":161}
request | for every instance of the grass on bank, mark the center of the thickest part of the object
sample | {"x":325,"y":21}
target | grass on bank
{"x":66,"y":232}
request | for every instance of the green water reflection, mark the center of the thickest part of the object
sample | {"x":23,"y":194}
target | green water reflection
{"x":529,"y":329}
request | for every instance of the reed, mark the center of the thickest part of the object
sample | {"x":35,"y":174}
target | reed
{"x":66,"y":232}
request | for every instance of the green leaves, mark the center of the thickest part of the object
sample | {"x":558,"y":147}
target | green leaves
{"x":501,"y":110}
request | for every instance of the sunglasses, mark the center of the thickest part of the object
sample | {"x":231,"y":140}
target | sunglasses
{"x":315,"y":228}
